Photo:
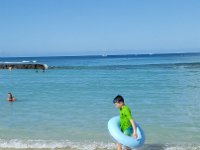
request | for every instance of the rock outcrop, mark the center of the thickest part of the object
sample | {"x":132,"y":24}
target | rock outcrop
{"x":23,"y":66}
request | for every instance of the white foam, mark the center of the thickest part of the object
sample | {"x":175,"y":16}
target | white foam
{"x":9,"y":62}
{"x":34,"y":61}
{"x":52,"y":144}
{"x":45,"y":66}
{"x":183,"y":147}
{"x":25,"y":61}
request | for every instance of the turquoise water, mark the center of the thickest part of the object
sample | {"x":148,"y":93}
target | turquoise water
{"x":69,"y":104}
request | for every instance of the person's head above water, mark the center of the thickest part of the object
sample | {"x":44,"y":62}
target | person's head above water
{"x":118,"y":101}
{"x":10,"y":97}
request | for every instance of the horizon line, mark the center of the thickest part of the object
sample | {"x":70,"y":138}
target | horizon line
{"x":105,"y":55}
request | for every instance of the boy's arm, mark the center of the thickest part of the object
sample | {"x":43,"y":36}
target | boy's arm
{"x":134,"y":128}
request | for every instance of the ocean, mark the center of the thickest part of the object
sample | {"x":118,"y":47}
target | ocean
{"x":67,"y":107}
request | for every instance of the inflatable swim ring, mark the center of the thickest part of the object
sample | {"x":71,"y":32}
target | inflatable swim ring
{"x":120,"y":137}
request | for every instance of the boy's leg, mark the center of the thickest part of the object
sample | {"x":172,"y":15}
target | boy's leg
{"x":119,"y":147}
{"x":128,"y":132}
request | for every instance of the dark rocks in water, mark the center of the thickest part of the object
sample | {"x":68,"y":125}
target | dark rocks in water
{"x":23,"y":66}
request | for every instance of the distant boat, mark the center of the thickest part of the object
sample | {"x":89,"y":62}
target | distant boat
{"x":104,"y":55}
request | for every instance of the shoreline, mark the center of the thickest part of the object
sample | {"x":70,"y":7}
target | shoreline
{"x":87,"y":145}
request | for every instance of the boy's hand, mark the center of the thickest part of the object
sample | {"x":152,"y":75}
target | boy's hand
{"x":135,"y":135}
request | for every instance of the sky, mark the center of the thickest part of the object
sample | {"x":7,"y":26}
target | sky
{"x":93,"y":27}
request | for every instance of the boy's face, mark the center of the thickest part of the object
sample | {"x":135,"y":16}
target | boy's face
{"x":118,"y":105}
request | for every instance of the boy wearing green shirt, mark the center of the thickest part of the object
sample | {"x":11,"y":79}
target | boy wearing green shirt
{"x":127,"y":123}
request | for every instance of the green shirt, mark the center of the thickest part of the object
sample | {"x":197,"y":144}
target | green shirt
{"x":125,"y":116}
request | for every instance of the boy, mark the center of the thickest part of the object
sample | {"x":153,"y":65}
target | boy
{"x":127,"y":123}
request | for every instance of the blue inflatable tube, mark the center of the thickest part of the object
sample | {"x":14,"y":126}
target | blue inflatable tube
{"x":120,"y":137}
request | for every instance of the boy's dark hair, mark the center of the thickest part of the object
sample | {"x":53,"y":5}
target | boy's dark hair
{"x":10,"y":94}
{"x":118,"y":99}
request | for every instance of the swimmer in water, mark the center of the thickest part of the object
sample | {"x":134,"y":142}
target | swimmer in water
{"x":10,"y":97}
